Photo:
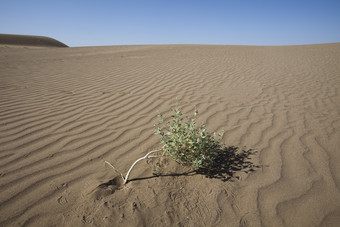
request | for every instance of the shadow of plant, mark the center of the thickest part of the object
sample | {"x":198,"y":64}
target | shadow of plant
{"x":229,"y":162}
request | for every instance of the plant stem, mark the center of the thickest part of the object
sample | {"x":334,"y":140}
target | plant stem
{"x":125,"y":179}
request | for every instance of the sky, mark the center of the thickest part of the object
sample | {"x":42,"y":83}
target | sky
{"x":128,"y":22}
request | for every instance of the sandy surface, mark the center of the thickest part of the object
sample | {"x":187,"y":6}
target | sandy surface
{"x":64,"y":111}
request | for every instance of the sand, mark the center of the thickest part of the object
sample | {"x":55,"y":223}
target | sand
{"x":65,"y":111}
{"x":29,"y":41}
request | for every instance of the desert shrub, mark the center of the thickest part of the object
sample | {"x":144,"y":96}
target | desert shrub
{"x":186,"y":143}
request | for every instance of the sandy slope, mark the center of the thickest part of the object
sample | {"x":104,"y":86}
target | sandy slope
{"x":29,"y":41}
{"x":64,"y":111}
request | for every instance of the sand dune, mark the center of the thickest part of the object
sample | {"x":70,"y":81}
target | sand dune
{"x":29,"y":41}
{"x":64,"y":111}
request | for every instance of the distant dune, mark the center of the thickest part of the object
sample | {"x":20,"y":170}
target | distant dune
{"x":65,"y":111}
{"x":30,"y":40}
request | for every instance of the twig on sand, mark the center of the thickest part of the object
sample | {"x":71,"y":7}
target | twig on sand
{"x":148,"y":155}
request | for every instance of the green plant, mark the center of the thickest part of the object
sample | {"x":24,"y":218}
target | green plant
{"x":186,"y":143}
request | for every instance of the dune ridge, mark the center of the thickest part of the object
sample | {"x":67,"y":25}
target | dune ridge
{"x":29,"y":41}
{"x":64,"y":111}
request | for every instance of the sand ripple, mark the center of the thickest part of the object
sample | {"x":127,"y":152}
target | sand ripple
{"x":64,"y":111}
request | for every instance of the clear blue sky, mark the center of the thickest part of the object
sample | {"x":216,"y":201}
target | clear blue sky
{"x":120,"y":22}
